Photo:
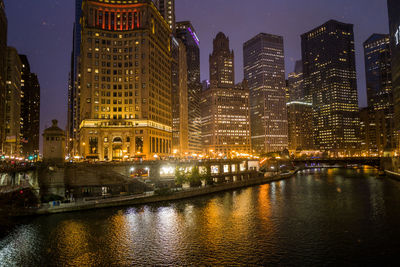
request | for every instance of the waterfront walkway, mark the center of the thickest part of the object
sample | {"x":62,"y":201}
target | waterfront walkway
{"x":149,"y":197}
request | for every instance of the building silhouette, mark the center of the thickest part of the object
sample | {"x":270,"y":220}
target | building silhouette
{"x":394,"y":28}
{"x":30,"y":109}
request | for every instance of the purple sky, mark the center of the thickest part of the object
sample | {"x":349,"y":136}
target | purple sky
{"x":42,"y":29}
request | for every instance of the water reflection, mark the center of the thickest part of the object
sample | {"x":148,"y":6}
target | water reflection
{"x":319,"y":217}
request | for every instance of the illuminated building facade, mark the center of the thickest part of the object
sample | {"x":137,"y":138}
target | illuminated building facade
{"x":180,"y":128}
{"x":13,"y":104}
{"x":30,"y":109}
{"x":379,"y":91}
{"x":330,"y":81}
{"x":264,"y":69}
{"x":123,"y":82}
{"x":300,"y":126}
{"x":295,"y":83}
{"x":222,"y":71}
{"x":394,"y":27}
{"x":186,"y":32}
{"x":3,"y":72}
{"x":224,"y":106}
{"x":226,"y":120}
{"x":167,"y":10}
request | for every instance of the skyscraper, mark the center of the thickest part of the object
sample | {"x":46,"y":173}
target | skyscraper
{"x":295,"y":83}
{"x":264,"y":69}
{"x":74,"y":84}
{"x":3,"y":72}
{"x":394,"y":27}
{"x":224,"y":106}
{"x":30,"y":109}
{"x":167,"y":10}
{"x":123,"y":82}
{"x":186,"y":32}
{"x":13,"y":103}
{"x":379,"y":90}
{"x":330,"y":81}
{"x":180,"y":118}
{"x":222,"y":69}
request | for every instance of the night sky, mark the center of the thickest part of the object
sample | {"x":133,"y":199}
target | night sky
{"x":42,"y":29}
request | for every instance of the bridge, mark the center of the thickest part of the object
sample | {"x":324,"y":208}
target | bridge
{"x":369,"y":161}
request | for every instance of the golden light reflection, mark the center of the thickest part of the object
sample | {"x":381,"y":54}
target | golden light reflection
{"x":264,"y":203}
{"x":73,"y":244}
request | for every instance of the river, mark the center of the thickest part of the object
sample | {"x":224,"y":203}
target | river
{"x":319,"y":217}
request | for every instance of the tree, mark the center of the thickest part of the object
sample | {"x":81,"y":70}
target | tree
{"x":206,"y":176}
{"x":195,"y":177}
{"x":180,"y":176}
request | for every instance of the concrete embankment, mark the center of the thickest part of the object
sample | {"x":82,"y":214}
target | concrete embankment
{"x":148,"y":199}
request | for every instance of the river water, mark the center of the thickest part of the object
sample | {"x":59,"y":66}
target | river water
{"x":319,"y":217}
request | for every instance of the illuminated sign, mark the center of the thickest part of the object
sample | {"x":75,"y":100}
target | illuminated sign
{"x":397,"y":36}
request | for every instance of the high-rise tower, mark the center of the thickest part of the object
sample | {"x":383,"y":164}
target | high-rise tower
{"x":186,"y":32}
{"x":379,"y":90}
{"x":3,"y":72}
{"x":123,"y":82}
{"x":264,"y":69}
{"x":30,"y":109}
{"x":224,"y":106}
{"x":222,"y":68}
{"x":394,"y":27}
{"x":330,"y":81}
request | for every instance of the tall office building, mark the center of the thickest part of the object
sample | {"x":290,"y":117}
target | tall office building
{"x":300,"y":126}
{"x":74,"y":84}
{"x":264,"y":69}
{"x":226,"y":120}
{"x":224,"y":106}
{"x":186,"y":32}
{"x":123,"y":82}
{"x":222,"y":69}
{"x":379,"y":91}
{"x":330,"y":81}
{"x":30,"y":109}
{"x":295,"y":83}
{"x":167,"y":10}
{"x":3,"y":73}
{"x":13,"y":104}
{"x":180,"y":118}
{"x":394,"y":27}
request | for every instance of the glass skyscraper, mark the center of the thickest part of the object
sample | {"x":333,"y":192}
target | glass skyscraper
{"x":330,"y":81}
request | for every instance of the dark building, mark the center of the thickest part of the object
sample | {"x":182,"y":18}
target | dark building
{"x":300,"y":126}
{"x":394,"y":27}
{"x":186,"y":32}
{"x":30,"y":109}
{"x":379,"y":92}
{"x":264,"y":69}
{"x":330,"y":81}
{"x":74,"y":84}
{"x":295,"y":83}
{"x":3,"y":73}
{"x":222,"y":67}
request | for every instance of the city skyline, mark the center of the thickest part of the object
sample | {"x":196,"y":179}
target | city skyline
{"x":56,"y":28}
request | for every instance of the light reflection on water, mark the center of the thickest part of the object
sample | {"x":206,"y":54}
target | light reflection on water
{"x":319,"y":217}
